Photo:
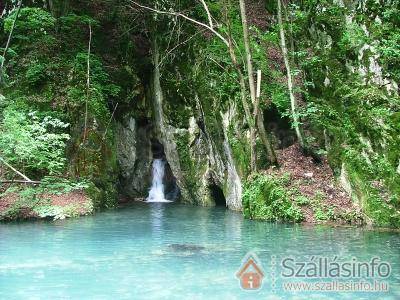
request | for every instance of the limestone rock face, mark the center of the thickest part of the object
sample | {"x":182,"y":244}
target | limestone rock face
{"x":134,"y":157}
{"x":200,"y":163}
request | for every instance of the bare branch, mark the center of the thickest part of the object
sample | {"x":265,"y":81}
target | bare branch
{"x":178,"y":14}
{"x":20,"y":181}
{"x":109,"y":122}
{"x":293,"y":100}
{"x":178,"y":45}
{"x":208,"y":13}
{"x":87,"y":82}
{"x":15,"y":170}
{"x":9,"y":40}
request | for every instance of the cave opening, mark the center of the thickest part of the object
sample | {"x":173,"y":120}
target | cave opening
{"x":157,"y":149}
{"x":280,"y":126}
{"x":217,"y":195}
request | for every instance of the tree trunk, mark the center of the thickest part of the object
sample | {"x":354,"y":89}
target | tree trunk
{"x":20,"y":181}
{"x":8,"y":42}
{"x":3,"y":9}
{"x":293,"y":100}
{"x":243,"y":96}
{"x":249,"y":119}
{"x":249,"y":61}
{"x":254,"y":100}
{"x":87,"y":82}
{"x":246,"y":107}
{"x":257,"y":120}
{"x":266,"y":141}
{"x":58,"y":8}
{"x":15,"y":170}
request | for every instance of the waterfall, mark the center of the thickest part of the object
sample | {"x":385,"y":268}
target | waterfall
{"x":156,"y":193}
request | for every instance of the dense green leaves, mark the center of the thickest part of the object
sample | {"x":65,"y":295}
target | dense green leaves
{"x":31,"y":22}
{"x":266,"y":198}
{"x":33,"y":141}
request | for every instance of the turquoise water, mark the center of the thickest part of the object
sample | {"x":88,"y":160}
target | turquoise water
{"x":168,"y":251}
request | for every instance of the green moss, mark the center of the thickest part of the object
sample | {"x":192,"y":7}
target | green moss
{"x":360,"y":119}
{"x":96,"y":160}
{"x":94,"y":194}
{"x":373,"y":202}
{"x":266,"y":198}
{"x":240,"y":152}
{"x":188,"y":165}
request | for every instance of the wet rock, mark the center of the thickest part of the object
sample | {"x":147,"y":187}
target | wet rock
{"x":186,"y":247}
{"x":134,"y":156}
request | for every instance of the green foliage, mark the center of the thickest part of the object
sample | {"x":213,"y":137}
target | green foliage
{"x":188,"y":165}
{"x":33,"y":141}
{"x":321,"y":215}
{"x":378,"y":204}
{"x":34,"y":26}
{"x":241,"y":153}
{"x":31,"y":21}
{"x":73,"y":30}
{"x":47,"y":70}
{"x":266,"y":198}
{"x":61,"y":212}
{"x":357,"y":116}
{"x":389,"y":50}
{"x":280,"y":97}
{"x":302,"y":200}
{"x":352,"y":40}
{"x":35,"y":201}
{"x":59,"y":186}
{"x":46,"y":74}
{"x":100,"y":86}
{"x":36,"y":73}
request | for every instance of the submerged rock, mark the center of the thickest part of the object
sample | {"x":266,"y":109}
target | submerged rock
{"x":186,"y":247}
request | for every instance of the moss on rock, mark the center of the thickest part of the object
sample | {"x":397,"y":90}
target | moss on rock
{"x":266,"y":198}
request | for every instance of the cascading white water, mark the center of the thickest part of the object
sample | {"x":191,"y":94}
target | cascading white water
{"x":156,"y":193}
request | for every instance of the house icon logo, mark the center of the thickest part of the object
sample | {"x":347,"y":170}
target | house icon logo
{"x":250,"y":273}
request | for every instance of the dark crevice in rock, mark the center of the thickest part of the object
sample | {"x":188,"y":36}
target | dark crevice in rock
{"x":157,"y":149}
{"x":280,"y":127}
{"x":217,"y":194}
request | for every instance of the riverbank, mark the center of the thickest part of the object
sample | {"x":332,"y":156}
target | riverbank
{"x":17,"y":206}
{"x":301,"y":190}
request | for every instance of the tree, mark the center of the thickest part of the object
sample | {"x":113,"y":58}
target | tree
{"x":251,"y":109}
{"x":58,"y":8}
{"x":8,"y":42}
{"x":250,"y":72}
{"x":293,"y":100}
{"x":257,"y":116}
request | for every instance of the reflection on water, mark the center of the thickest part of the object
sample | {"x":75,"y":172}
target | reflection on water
{"x":156,"y":210}
{"x":159,"y":250}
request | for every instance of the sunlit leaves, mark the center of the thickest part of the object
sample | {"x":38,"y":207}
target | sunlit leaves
{"x":33,"y":142}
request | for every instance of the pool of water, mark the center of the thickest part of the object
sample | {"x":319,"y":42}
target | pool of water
{"x":169,"y":251}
